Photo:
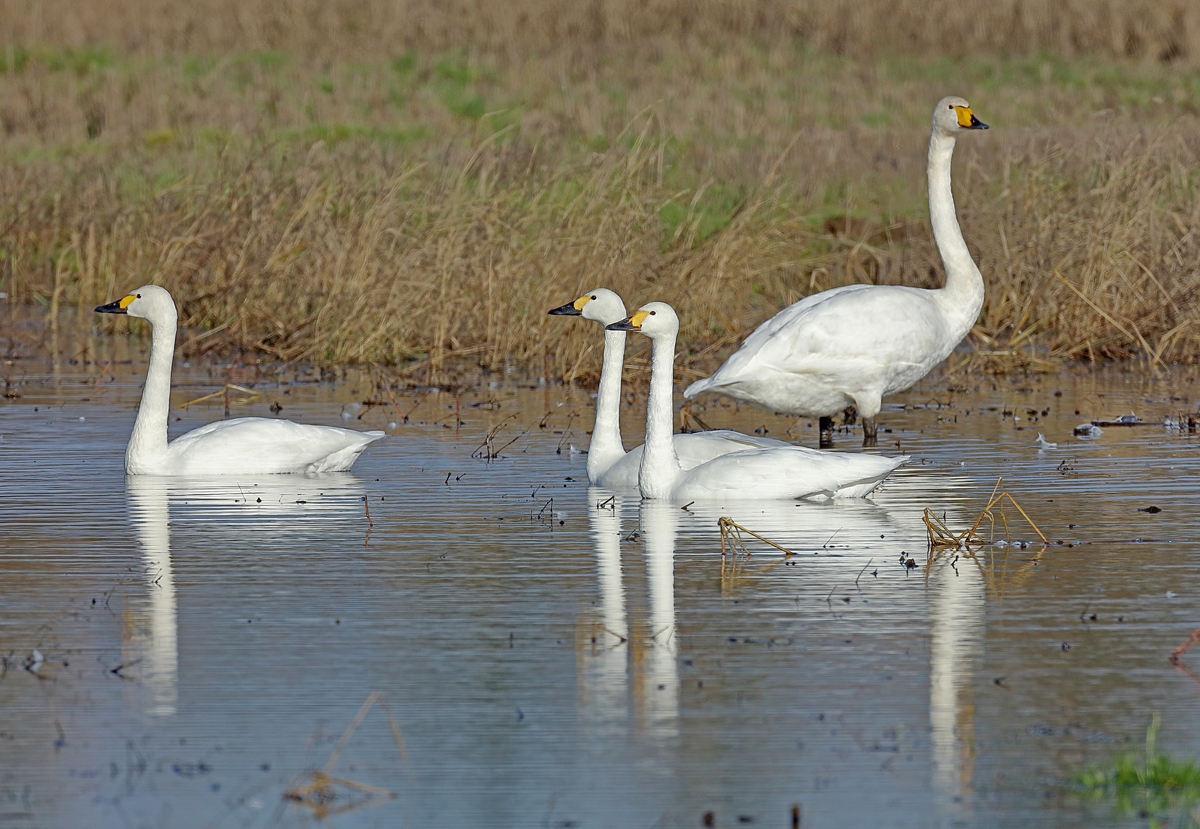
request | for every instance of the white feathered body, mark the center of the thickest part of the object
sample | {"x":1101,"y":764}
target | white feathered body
{"x":693,"y":448}
{"x":252,"y":446}
{"x":774,"y":473}
{"x":846,"y":346}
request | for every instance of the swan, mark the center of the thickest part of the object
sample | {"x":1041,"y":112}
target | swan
{"x":761,"y":473}
{"x":608,"y":464}
{"x":854,"y":344}
{"x":243,"y":446}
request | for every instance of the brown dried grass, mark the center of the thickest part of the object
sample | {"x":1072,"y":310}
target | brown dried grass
{"x":343,"y":200}
{"x":334,"y":29}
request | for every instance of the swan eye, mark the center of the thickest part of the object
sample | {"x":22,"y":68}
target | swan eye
{"x":652,"y":313}
{"x":951,"y":107}
{"x":593,"y":296}
{"x":139,"y":296}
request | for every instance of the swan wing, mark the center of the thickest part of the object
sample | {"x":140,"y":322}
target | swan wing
{"x":785,"y":473}
{"x":258,"y":445}
{"x":848,"y":339}
{"x":693,"y":448}
{"x":772,"y":336}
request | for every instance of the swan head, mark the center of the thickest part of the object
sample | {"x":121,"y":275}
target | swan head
{"x":654,"y":319}
{"x":149,"y":302}
{"x":953,"y":115}
{"x":599,"y":304}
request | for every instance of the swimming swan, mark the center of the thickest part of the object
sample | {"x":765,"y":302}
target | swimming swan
{"x":857,"y":343}
{"x":608,"y":464}
{"x":243,"y":446}
{"x":774,"y":472}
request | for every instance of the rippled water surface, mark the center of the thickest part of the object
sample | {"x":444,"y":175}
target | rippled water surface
{"x":554,"y":655}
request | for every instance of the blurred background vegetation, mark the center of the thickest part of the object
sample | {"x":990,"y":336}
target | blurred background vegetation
{"x":369,"y":181}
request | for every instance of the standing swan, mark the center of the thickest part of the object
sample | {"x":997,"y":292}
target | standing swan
{"x":608,"y":464}
{"x":243,"y":446}
{"x":774,"y":472}
{"x":853,"y":345}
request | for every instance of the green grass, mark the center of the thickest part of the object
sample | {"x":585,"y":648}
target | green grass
{"x":708,"y":210}
{"x":1150,"y":784}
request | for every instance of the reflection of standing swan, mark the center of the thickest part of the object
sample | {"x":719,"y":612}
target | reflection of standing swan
{"x":242,"y":446}
{"x":956,"y":614}
{"x":855,"y":344}
{"x":777,"y":472}
{"x":608,"y":464}
{"x":660,"y":523}
{"x":155,"y":636}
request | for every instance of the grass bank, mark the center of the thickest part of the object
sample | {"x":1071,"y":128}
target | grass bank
{"x":372,"y":195}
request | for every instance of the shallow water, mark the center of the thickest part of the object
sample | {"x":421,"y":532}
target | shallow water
{"x":556,"y":657}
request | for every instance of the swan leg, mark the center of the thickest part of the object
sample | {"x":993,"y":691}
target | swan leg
{"x":826,"y":429}
{"x":870,"y":437}
{"x":868,"y":404}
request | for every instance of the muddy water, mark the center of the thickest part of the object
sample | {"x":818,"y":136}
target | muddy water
{"x":553,"y":655}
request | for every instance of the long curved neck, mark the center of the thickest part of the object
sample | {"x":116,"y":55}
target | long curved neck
{"x":606,"y":448}
{"x":963,"y":294}
{"x":660,"y":464}
{"x":150,"y":429}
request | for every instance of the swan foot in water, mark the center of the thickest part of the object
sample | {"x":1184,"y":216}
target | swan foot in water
{"x":870,"y":433}
{"x":825,"y":428}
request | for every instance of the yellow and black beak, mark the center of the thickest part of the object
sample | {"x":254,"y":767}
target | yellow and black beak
{"x":568,"y":310}
{"x":572,"y":309}
{"x":967,"y":119}
{"x":118,"y":307}
{"x":630,"y":323}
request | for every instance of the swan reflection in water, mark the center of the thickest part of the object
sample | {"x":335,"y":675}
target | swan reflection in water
{"x":604,"y":688}
{"x":222,"y":512}
{"x":645,"y":650}
{"x":659,"y":525}
{"x":150,"y":641}
{"x":847,"y":535}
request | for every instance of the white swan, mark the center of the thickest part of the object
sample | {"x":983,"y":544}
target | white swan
{"x":608,"y":464}
{"x":243,"y":446}
{"x":857,"y":343}
{"x":773,"y":472}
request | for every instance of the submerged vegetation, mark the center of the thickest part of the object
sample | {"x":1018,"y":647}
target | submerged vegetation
{"x":1151,"y":784}
{"x":384,"y":182}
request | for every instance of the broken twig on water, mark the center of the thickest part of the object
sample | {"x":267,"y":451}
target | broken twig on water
{"x":326,"y":794}
{"x":941,"y":537}
{"x":738,"y":552}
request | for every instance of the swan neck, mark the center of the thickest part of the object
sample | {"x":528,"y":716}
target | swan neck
{"x":660,"y":464}
{"x":150,"y":429}
{"x":606,"y":448}
{"x":963,"y":291}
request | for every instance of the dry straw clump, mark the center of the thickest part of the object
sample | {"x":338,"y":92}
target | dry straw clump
{"x":1088,"y":253}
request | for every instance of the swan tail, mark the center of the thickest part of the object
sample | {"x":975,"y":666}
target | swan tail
{"x":697,"y":387}
{"x":344,"y":458}
{"x":864,"y":487}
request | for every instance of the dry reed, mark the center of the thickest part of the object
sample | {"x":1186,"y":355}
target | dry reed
{"x":312,"y":189}
{"x":326,"y":794}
